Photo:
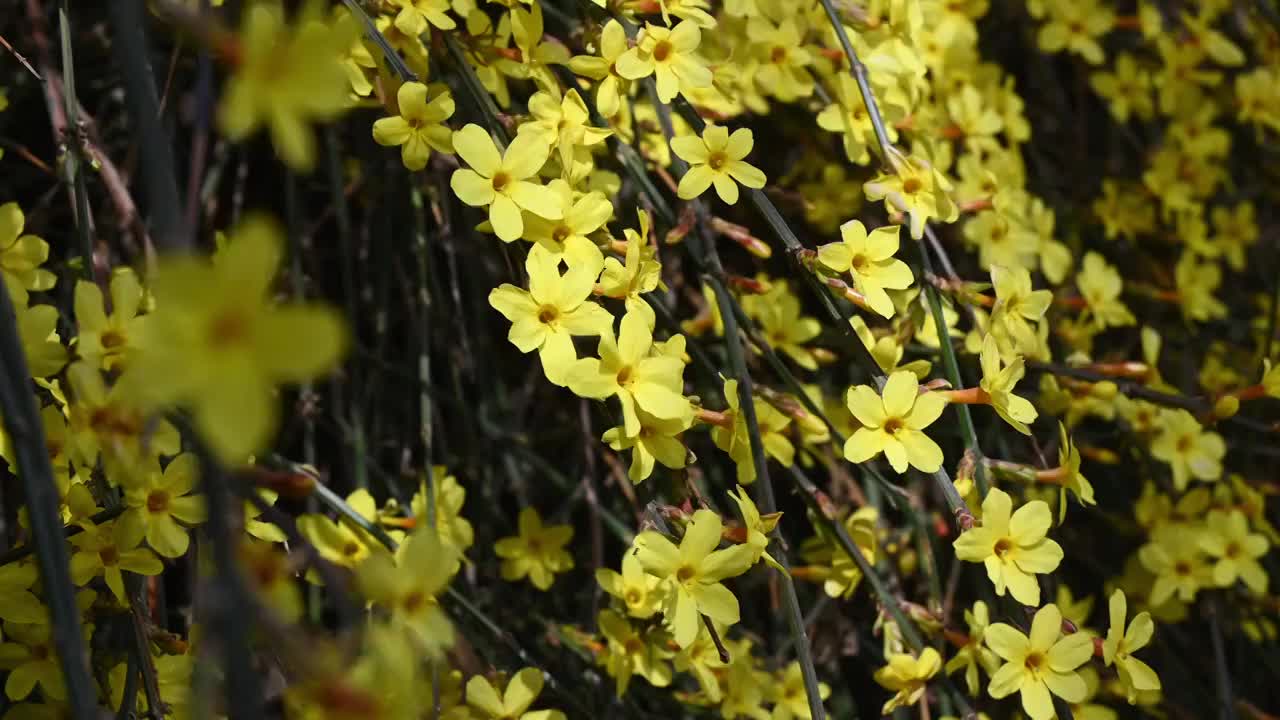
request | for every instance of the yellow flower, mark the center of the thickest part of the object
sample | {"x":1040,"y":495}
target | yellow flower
{"x":782,"y":57}
{"x":894,"y":423}
{"x":1077,"y":26}
{"x":420,"y":125}
{"x":555,"y":307}
{"x":629,"y":369}
{"x":1120,"y":645}
{"x":1197,"y":280}
{"x":37,"y":329}
{"x":869,"y":257}
{"x":788,"y":693}
{"x":1017,"y":306}
{"x":285,"y":78}
{"x":639,"y":272}
{"x":1188,"y":449}
{"x":611,"y":86}
{"x":917,"y":190}
{"x":657,"y":440}
{"x":102,"y":551}
{"x":17,"y":603}
{"x":671,"y":56}
{"x":736,"y":440}
{"x":1044,"y":662}
{"x":778,"y":313}
{"x":1127,"y":90}
{"x":154,"y":504}
{"x":757,"y":526}
{"x":693,"y":572}
{"x":31,"y":658}
{"x":270,"y":572}
{"x":717,"y":158}
{"x":999,"y":382}
{"x":1175,"y":558}
{"x":848,"y":116}
{"x":450,"y":495}
{"x":579,"y":217}
{"x":1012,"y":546}
{"x":107,"y":340}
{"x":537,"y":552}
{"x":502,"y":181}
{"x":513,"y":702}
{"x":562,"y":122}
{"x":409,"y":584}
{"x":218,"y":345}
{"x":631,"y":652}
{"x":22,"y":255}
{"x":638,"y":590}
{"x":839,"y":574}
{"x":416,"y":16}
{"x":1236,"y":550}
{"x":1072,"y":479}
{"x":702,"y":660}
{"x":111,"y":424}
{"x":907,"y":676}
{"x":338,"y":541}
{"x":975,"y":653}
{"x":1100,"y":285}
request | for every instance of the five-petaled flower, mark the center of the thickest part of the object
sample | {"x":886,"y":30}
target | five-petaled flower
{"x":716,"y":158}
{"x":894,"y":422}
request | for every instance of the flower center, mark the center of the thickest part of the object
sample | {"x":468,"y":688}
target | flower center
{"x":624,"y":375}
{"x":685,"y":573}
{"x":109,"y":556}
{"x":912,"y":185}
{"x":1233,"y":550}
{"x":1184,"y":443}
{"x":158,"y":501}
{"x":1002,"y":548}
{"x":1035,"y":661}
{"x":662,"y":51}
{"x":717,"y":160}
{"x":414,"y":601}
{"x":893,"y":425}
{"x":351,"y":549}
{"x":778,"y":54}
{"x":562,"y":233}
{"x":228,"y":329}
{"x":860,"y":262}
{"x":632,"y":598}
{"x":547,"y":314}
{"x":1182,"y":567}
{"x":500,"y":181}
{"x":111,"y":340}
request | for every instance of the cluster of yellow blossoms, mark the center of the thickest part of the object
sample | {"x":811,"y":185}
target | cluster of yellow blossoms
{"x":591,"y":154}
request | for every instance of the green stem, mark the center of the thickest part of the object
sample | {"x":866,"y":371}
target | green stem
{"x":73,"y":158}
{"x":156,"y":155}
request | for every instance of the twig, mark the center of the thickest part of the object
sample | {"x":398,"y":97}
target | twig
{"x":232,"y":609}
{"x":1222,"y":672}
{"x":73,"y":155}
{"x":5,"y":44}
{"x":128,"y":21}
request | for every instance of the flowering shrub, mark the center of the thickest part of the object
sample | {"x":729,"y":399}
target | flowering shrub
{"x":549,"y":359}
